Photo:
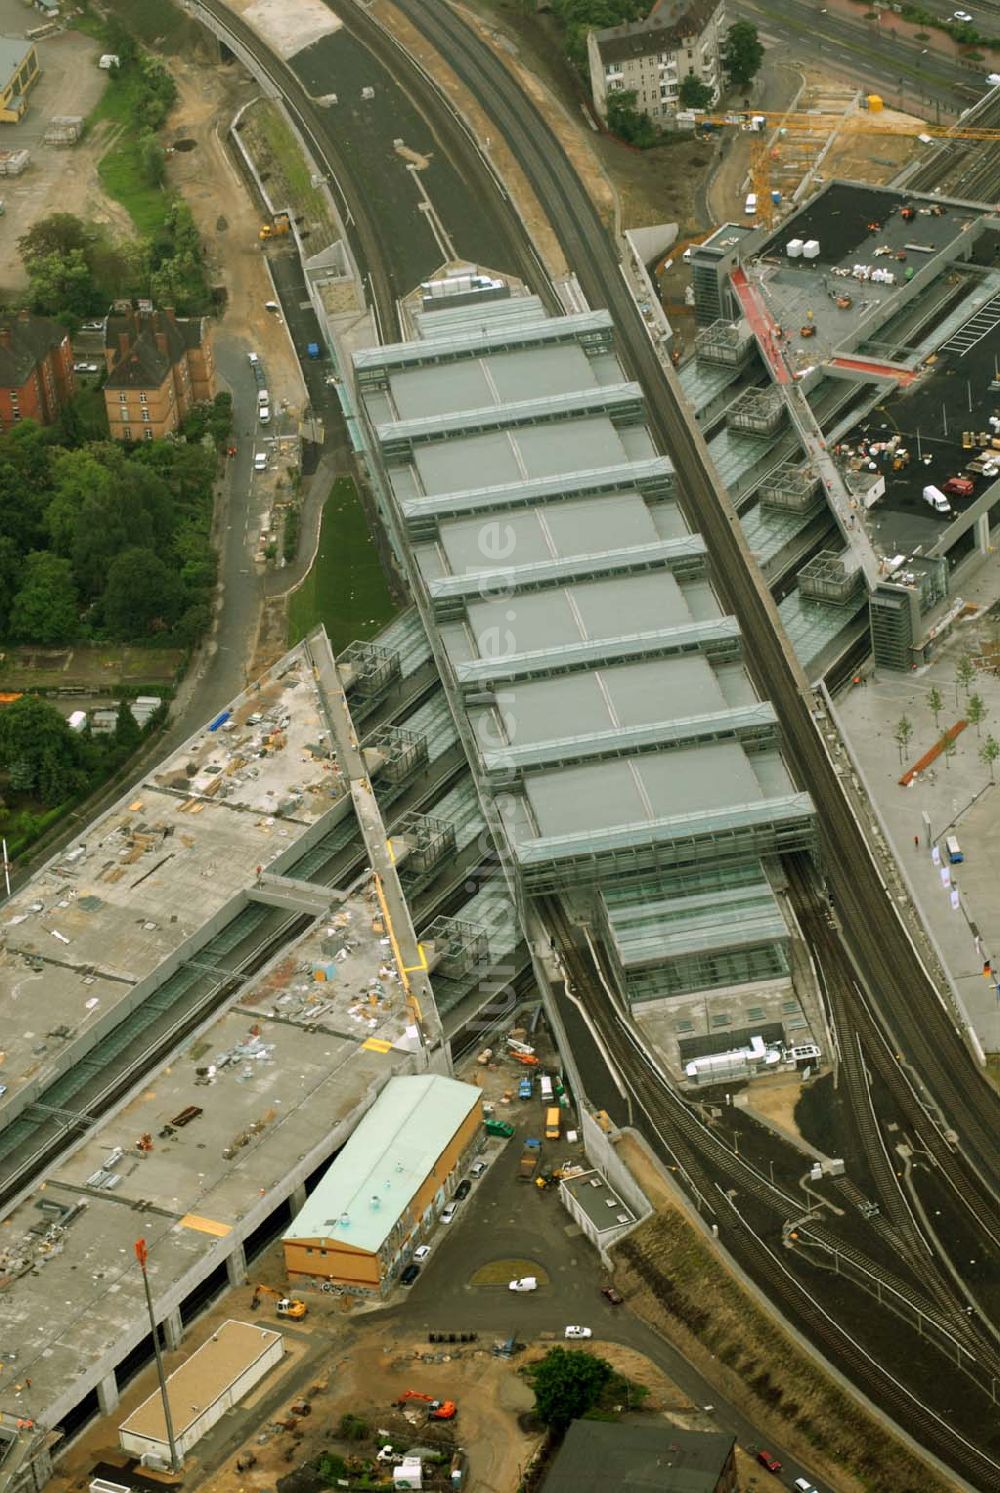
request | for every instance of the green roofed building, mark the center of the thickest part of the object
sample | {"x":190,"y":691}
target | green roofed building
{"x":387,"y":1186}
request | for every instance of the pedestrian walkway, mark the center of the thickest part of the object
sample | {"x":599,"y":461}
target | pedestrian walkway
{"x":953,"y":795}
{"x":872,"y":369}
{"x":762,"y":324}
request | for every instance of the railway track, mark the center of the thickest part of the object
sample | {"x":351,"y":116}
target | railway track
{"x":727,"y":1187}
{"x":920,"y":1026}
{"x":967,"y":169}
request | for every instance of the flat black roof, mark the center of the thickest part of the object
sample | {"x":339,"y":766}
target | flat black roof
{"x":596,"y":1456}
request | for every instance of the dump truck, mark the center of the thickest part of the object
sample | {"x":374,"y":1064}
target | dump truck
{"x":530,"y":1157}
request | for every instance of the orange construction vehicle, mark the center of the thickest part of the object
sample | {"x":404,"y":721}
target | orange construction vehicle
{"x":437,"y":1409}
{"x":287,"y":1306}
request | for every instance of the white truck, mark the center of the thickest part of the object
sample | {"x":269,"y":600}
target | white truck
{"x":936,"y":500}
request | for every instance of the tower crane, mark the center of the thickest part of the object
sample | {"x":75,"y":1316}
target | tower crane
{"x":762,"y":125}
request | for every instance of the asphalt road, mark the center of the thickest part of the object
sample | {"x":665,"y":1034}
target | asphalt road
{"x":908,"y":75}
{"x":505,"y":1218}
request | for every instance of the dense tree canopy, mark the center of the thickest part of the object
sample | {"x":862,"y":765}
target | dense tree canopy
{"x":567,"y":1384}
{"x":580,"y":16}
{"x":39,"y":753}
{"x":68,"y":515}
{"x":45,"y":609}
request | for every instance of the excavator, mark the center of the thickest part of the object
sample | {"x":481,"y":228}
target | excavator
{"x":436,"y":1409}
{"x":280,"y":224}
{"x":286,"y":1306}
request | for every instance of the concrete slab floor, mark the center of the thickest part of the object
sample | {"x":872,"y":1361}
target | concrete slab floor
{"x":148,"y":874}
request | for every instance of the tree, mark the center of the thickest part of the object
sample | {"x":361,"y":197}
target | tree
{"x":625,"y":120}
{"x":59,"y":233}
{"x":988,"y":754}
{"x":950,"y":747}
{"x":935,"y":704}
{"x":694,"y":94}
{"x":744,"y":53}
{"x":45,"y":609}
{"x":902,"y":734}
{"x":39,"y":752}
{"x":567,"y":1385}
{"x":976,"y":712}
{"x":965,"y":673}
{"x":10,"y":575}
{"x":62,"y":285}
{"x":127,"y":733}
{"x":141,"y":596}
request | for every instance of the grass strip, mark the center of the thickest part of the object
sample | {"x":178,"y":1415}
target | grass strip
{"x":345,"y":589}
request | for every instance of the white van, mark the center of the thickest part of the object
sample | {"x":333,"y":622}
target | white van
{"x":750,"y":206}
{"x":935,"y":498}
{"x":545,"y":1088}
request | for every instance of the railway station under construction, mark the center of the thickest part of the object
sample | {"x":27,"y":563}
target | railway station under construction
{"x":182,"y":994}
{"x":623,"y":761}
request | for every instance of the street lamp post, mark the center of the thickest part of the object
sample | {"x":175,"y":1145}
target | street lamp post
{"x":141,"y":1254}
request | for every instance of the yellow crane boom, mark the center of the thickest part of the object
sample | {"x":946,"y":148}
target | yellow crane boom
{"x":762,"y":125}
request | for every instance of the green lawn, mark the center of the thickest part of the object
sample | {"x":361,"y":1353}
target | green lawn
{"x":346,"y":588}
{"x":120,"y":168}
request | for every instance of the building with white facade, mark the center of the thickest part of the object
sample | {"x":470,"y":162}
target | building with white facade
{"x":651,"y":58}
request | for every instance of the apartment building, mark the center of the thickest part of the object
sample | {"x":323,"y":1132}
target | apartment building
{"x":36,"y":369}
{"x":651,"y":58}
{"x":159,"y":365}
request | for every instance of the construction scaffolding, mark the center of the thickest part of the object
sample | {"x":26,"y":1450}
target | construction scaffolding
{"x":756,"y":412}
{"x":401,"y":751}
{"x":368,"y":671}
{"x":458,"y":946}
{"x":826,"y":577}
{"x":791,"y":488}
{"x":727,"y":342}
{"x":428,"y":842}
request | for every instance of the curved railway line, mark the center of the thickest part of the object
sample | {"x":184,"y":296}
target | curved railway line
{"x":722,"y":1181}
{"x":918,"y":1022}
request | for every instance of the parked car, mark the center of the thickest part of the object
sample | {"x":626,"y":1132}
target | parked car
{"x":264,"y":413}
{"x":462,"y":1190}
{"x":448,"y":1213}
{"x":409,"y":1275}
{"x":771,"y":1463}
{"x":500,"y":1127}
{"x":476,"y":1170}
{"x":260,"y":461}
{"x":524,"y":1283}
{"x":959,"y":487}
{"x":577,"y":1334}
{"x":612,"y":1295}
{"x":803,"y":1485}
{"x":84,"y":367}
{"x":421,"y":1252}
{"x":253,"y":358}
